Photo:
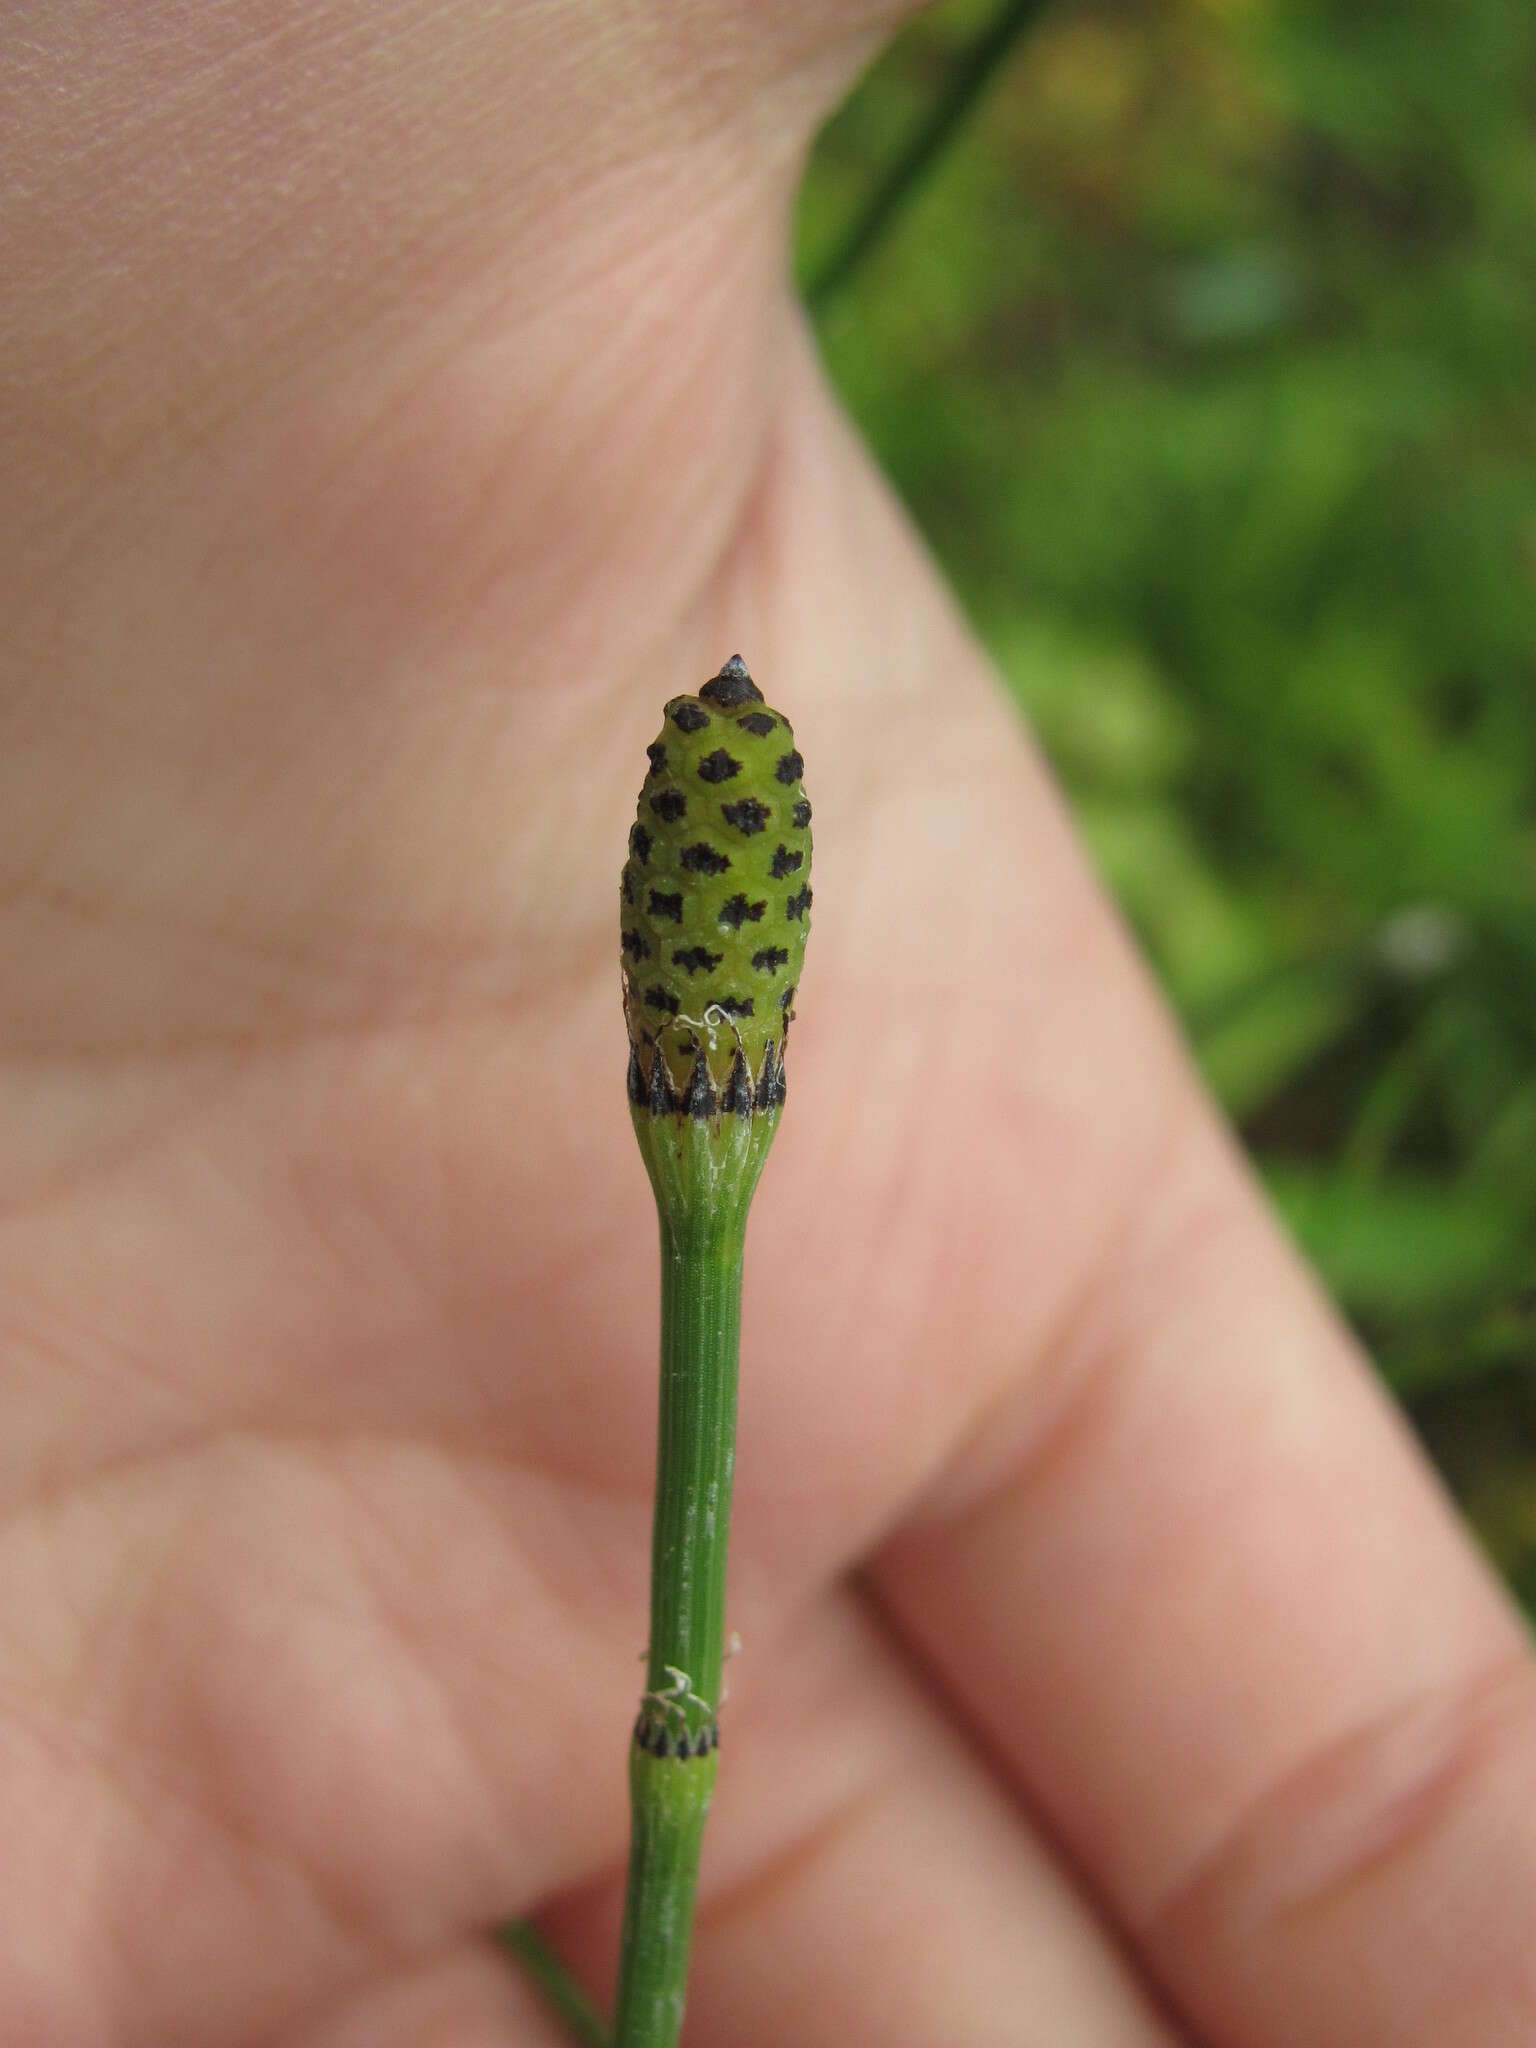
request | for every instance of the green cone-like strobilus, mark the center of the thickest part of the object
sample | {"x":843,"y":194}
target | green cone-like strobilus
{"x":715,"y":903}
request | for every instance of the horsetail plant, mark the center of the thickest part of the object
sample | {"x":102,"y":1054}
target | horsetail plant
{"x":714,"y":908}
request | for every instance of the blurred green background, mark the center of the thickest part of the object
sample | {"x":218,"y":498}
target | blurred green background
{"x":1200,"y":338}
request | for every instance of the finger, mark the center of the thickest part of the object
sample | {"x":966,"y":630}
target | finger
{"x":1200,"y":1474}
{"x":1224,"y":1632}
{"x":865,"y":1879}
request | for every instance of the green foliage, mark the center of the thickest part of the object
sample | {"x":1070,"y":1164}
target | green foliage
{"x":1204,"y":358}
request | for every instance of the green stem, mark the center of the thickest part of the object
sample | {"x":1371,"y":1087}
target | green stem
{"x":669,"y":1803}
{"x":695,"y":1460}
{"x":567,"y":2000}
{"x":973,"y":74}
{"x":703,"y":1171}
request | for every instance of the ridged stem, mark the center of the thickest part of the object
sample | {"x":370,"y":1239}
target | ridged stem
{"x":669,"y":1803}
{"x":695,"y":1460}
{"x":703,"y":1171}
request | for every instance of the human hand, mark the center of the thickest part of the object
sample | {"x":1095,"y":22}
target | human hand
{"x":400,"y":403}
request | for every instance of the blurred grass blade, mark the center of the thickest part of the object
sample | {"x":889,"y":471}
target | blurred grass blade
{"x":973,"y":74}
{"x":567,"y":2000}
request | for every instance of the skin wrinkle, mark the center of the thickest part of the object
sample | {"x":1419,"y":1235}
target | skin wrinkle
{"x":248,"y":1839}
{"x":46,"y":1477}
{"x":273,"y":1037}
{"x":1094,"y":1352}
{"x":150,"y":1802}
{"x":362,"y":1370}
{"x":354,"y":1231}
{"x":477,"y":1752}
{"x":134,"y":1472}
{"x":1346,"y":1813}
{"x":870,"y":1337}
{"x":166,"y":1428}
{"x":929,"y":1678}
{"x":162,"y":1440}
{"x":778,"y":1871}
{"x":1052,"y":1398}
{"x":432,"y":947}
{"x":29,"y":1198}
{"x":455,"y":343}
{"x":964,"y":1727}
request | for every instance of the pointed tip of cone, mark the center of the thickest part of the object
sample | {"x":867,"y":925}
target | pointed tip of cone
{"x":731,"y":687}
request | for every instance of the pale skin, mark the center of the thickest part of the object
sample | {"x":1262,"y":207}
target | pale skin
{"x":398,"y":403}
